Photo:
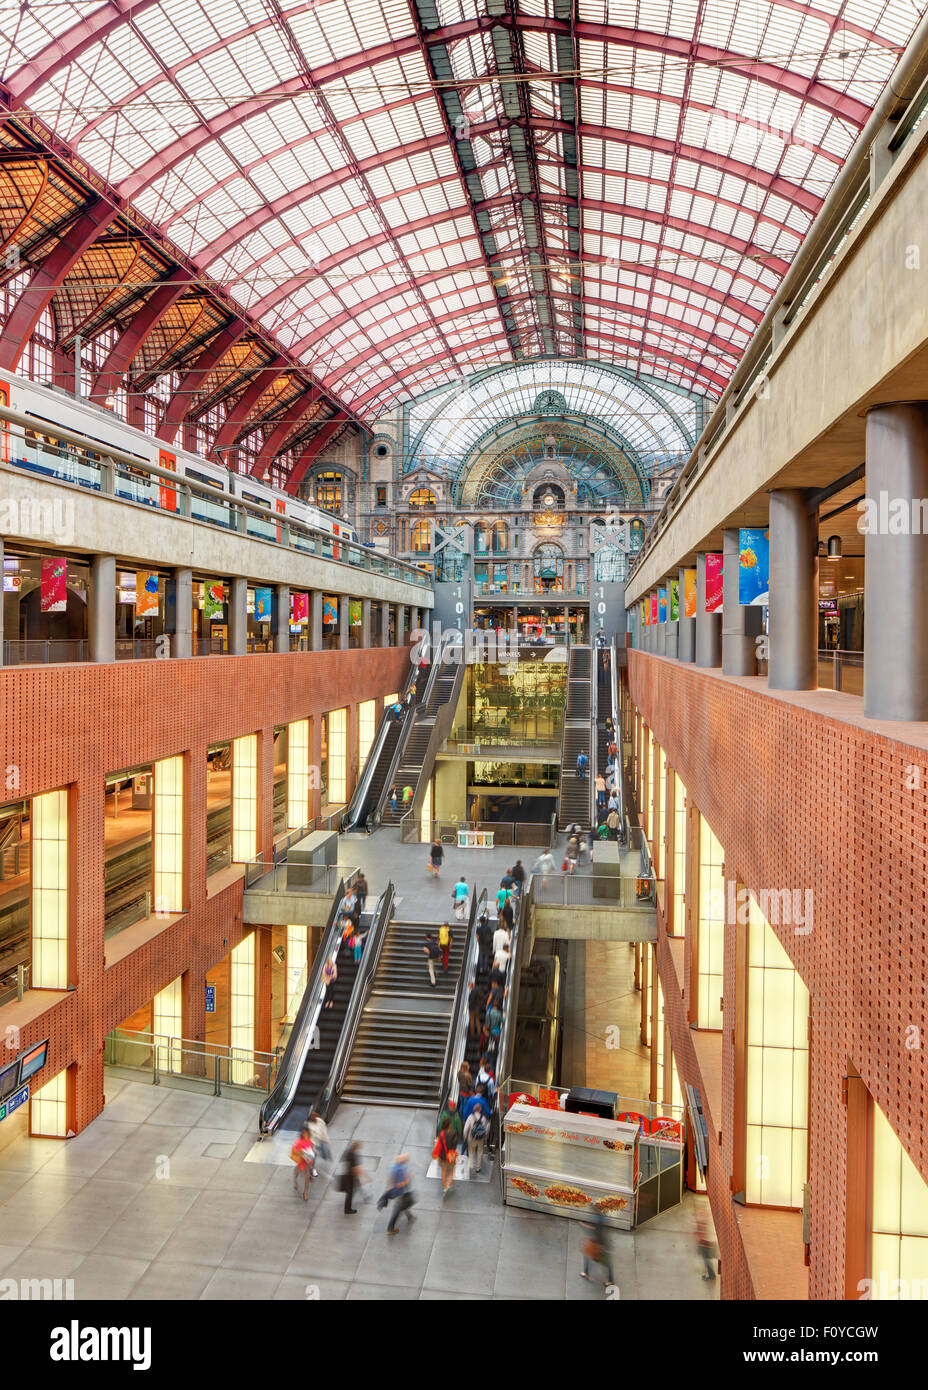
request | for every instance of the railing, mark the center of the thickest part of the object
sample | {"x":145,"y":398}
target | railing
{"x":536,"y":834}
{"x":114,"y":473}
{"x":363,"y":984}
{"x":305,"y":1026}
{"x":200,"y":1064}
{"x":522,"y":931}
{"x":841,"y":670}
{"x":502,"y":736}
{"x":264,"y":864}
{"x":320,"y":879}
{"x":897,"y":110}
{"x":16,"y":991}
{"x":609,"y":891}
{"x":460,"y":1014}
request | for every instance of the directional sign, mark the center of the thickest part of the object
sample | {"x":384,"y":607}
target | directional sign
{"x":210,"y":999}
{"x":14,"y":1102}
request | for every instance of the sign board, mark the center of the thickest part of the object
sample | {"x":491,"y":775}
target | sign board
{"x":14,"y":1102}
{"x":210,"y":999}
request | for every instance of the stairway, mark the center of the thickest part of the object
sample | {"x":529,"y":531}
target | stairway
{"x":319,"y":1059}
{"x":413,"y":758}
{"x":574,"y":799}
{"x":401,"y":1040}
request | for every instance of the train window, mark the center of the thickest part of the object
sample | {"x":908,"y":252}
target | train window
{"x":258,"y":501}
{"x":196,"y":477}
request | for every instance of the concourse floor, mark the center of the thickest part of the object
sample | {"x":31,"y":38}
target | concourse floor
{"x":162,"y":1197}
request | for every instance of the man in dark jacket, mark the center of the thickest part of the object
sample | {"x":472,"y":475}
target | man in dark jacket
{"x":473,"y":1009}
{"x":485,"y":943}
{"x":518,"y":873}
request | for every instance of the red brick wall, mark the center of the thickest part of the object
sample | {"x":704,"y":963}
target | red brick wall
{"x":69,"y":726}
{"x":802,"y":800}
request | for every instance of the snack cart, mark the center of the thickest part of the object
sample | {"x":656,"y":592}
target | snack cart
{"x":570,"y":1165}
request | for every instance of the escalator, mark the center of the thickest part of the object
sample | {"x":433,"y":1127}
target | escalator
{"x":380,"y":765}
{"x":574,"y":799}
{"x":416,"y":761}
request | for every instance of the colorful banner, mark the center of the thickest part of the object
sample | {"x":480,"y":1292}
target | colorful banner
{"x":262,"y":605}
{"x":329,"y":610}
{"x":654,"y":608}
{"x":146,"y":593}
{"x":213,"y":600}
{"x":674,"y":600}
{"x":754,"y":568}
{"x":54,"y":586}
{"x":644,"y":614}
{"x":662,"y":605}
{"x":354,"y":612}
{"x":713,"y":583}
{"x":299,"y":608}
{"x":689,"y":593}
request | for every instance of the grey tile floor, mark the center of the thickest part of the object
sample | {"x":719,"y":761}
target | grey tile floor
{"x":158,"y":1199}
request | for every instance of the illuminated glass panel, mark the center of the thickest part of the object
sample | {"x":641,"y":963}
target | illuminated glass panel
{"x":899,"y":1225}
{"x":297,"y":963}
{"x":777,"y":1071}
{"x":678,"y":916}
{"x":425,"y":818}
{"x":367,"y":728}
{"x":242,"y":1009}
{"x":50,"y":890}
{"x":169,"y":835}
{"x":298,"y":774}
{"x":338,"y":756}
{"x":245,"y":799}
{"x":711,"y":929}
{"x":167,"y":1024}
{"x":48,"y":1108}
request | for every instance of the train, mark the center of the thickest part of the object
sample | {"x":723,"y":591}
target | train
{"x":52,"y":406}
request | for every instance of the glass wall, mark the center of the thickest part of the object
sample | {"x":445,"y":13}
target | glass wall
{"x":245,"y":799}
{"x":218,"y":807}
{"x":298,"y":774}
{"x":899,"y":1220}
{"x":678,"y":909}
{"x":50,"y":891}
{"x":167,"y":1023}
{"x":48,"y":1109}
{"x":711,"y":943}
{"x":338,"y":756}
{"x":169,"y":835}
{"x":367,"y":729}
{"x":242,"y":1008}
{"x":513,"y":703}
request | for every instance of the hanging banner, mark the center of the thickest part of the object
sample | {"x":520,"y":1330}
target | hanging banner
{"x":54,"y":587}
{"x":644,"y":614}
{"x":674,"y":600}
{"x":262,"y":605}
{"x":713,"y":583}
{"x":329,"y":610}
{"x":299,"y":608}
{"x":354,"y":612}
{"x":754,"y":567}
{"x":654,"y":608}
{"x":213,"y":600}
{"x":147,"y":595}
{"x":662,"y":605}
{"x":689,"y":593}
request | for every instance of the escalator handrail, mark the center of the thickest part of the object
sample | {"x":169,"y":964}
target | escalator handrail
{"x":351,"y":817}
{"x":409,"y":723}
{"x":460,"y":1014}
{"x":617,"y":726}
{"x":360,"y":990}
{"x":507,"y":1031}
{"x":593,"y":769}
{"x":280,"y":1098}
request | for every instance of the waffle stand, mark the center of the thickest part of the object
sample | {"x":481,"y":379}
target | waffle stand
{"x":570,"y":1164}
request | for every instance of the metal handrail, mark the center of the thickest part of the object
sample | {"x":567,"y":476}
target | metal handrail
{"x":460,"y":1017}
{"x":360,"y":992}
{"x":304,"y":1025}
{"x":351,"y":816}
{"x":592,"y":768}
{"x":521,"y":920}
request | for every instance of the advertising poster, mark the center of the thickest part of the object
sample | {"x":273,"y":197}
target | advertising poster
{"x":146,"y":594}
{"x":754,"y":568}
{"x":654,"y":608}
{"x":354,"y":612}
{"x":713,"y":583}
{"x":329,"y":610}
{"x":689,"y":593}
{"x":262,"y":605}
{"x":54,"y":586}
{"x":299,"y":608}
{"x":644,"y":615}
{"x":213,"y":600}
{"x":662,"y":605}
{"x":674,"y":600}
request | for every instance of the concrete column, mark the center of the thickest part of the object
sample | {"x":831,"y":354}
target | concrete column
{"x":384,"y":624}
{"x":896,"y":565}
{"x":793,"y":592}
{"x":740,"y":626}
{"x":182,"y":637}
{"x":708,"y":625}
{"x":672,"y":640}
{"x":280,"y":624}
{"x":315,"y":621}
{"x":660,"y":633}
{"x":686,"y":630}
{"x":365,"y":622}
{"x":238,"y":616}
{"x":401,"y":624}
{"x":102,"y":615}
{"x":344,"y":631}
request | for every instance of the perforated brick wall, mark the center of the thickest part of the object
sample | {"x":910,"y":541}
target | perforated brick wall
{"x":70,"y":726}
{"x":802,"y":800}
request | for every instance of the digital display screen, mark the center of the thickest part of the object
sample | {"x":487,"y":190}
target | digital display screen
{"x":9,"y":1078}
{"x":33,"y":1061}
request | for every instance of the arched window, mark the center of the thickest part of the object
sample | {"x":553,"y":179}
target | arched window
{"x":500,"y":538}
{"x":548,"y":568}
{"x":422,"y":537}
{"x":422,"y":497}
{"x":329,"y":491}
{"x":550,"y":496}
{"x":609,"y":565}
{"x":636,"y":532}
{"x":481,"y":538}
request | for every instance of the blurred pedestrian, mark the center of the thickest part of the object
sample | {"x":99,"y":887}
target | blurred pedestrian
{"x":706,"y":1245}
{"x":465,"y":1085}
{"x":447,"y":1155}
{"x":329,"y":976}
{"x":351,"y":1175}
{"x":473,"y":1010}
{"x":595,"y":1248}
{"x":436,"y":855}
{"x":393,"y":800}
{"x":444,"y":943}
{"x":320,"y":1136}
{"x":484,"y":943}
{"x":302,"y":1155}
{"x":518,"y":873}
{"x":459,"y":897}
{"x":432,"y":952}
{"x":400,"y":1189}
{"x":361,"y":891}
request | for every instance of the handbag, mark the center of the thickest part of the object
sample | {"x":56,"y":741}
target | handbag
{"x":564,"y":867}
{"x":592,"y":1250}
{"x":296,"y":1155}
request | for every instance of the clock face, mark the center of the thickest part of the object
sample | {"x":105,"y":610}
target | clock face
{"x":548,"y":500}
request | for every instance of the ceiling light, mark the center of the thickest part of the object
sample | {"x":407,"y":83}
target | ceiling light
{"x":834,"y":547}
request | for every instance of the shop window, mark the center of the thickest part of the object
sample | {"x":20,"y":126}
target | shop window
{"x":169,"y":835}
{"x":50,"y":890}
{"x":381,"y":497}
{"x":899,"y":1221}
{"x":777,"y":1071}
{"x":711,"y":934}
{"x":329,"y":491}
{"x":245,"y":799}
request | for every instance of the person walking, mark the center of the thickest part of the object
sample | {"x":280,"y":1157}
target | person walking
{"x":501,"y":938}
{"x":595,"y":1248}
{"x":486,"y":1079}
{"x":518,"y":873}
{"x":357,"y":942}
{"x":476,"y":1127}
{"x":613,"y":822}
{"x":322,"y":1146}
{"x":361,"y":891}
{"x":501,"y":960}
{"x":432,"y":952}
{"x":459,"y":897}
{"x":493,"y":1024}
{"x":507,"y":914}
{"x":351,"y":1175}
{"x":465,"y":1085}
{"x":447,"y":1155}
{"x":393,"y":800}
{"x":407,"y":795}
{"x":484,"y":943}
{"x":706,"y":1246}
{"x":401,"y":1189}
{"x":436,"y":855}
{"x":302,"y":1155}
{"x":582,"y":761}
{"x":572,"y":853}
{"x":545,"y":865}
{"x":329,"y":976}
{"x":502,"y":896}
{"x":473,"y":1010}
{"x":444,"y":942}
{"x":600,"y":789}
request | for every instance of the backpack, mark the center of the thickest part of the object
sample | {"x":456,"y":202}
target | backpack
{"x":479,"y":1128}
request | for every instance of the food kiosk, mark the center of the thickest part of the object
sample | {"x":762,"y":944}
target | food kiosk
{"x":570,"y":1164}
